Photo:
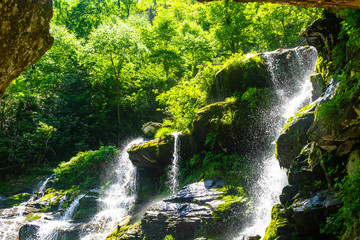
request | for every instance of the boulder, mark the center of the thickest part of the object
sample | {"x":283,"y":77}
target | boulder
{"x":236,"y":125}
{"x":24,"y":36}
{"x":28,"y":231}
{"x":157,"y":154}
{"x":238,"y":75}
{"x":153,"y":154}
{"x":293,"y":136}
{"x":197,"y":206}
{"x":312,"y":212}
{"x":281,"y":68}
{"x":87,"y":209}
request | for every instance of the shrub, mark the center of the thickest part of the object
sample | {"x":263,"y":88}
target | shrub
{"x":83,"y":169}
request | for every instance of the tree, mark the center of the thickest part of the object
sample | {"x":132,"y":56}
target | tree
{"x":113,"y":53}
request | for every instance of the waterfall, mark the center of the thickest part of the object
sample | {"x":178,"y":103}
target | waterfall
{"x":173,"y":174}
{"x":292,"y":96}
{"x":118,"y":200}
{"x":12,"y":219}
{"x":50,"y":230}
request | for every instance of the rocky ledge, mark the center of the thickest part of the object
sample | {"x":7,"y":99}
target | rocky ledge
{"x":198,"y":209}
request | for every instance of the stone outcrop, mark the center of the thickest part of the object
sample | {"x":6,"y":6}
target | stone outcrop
{"x":157,"y":153}
{"x":24,"y":36}
{"x":198,"y":205}
{"x":293,"y":136}
{"x":308,"y":3}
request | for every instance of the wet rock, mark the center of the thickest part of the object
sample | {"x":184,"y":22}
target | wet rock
{"x":153,"y":154}
{"x":287,"y":66}
{"x":318,"y":85}
{"x":288,"y":193}
{"x":311,"y":213}
{"x":28,"y":232}
{"x":24,"y":36}
{"x":181,"y":215}
{"x":157,"y":154}
{"x":293,"y":137}
{"x":15,"y":200}
{"x":251,"y":238}
{"x":87,"y":209}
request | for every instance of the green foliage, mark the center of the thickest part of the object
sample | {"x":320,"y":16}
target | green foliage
{"x":169,"y":237}
{"x":233,"y":168}
{"x":332,"y":111}
{"x":164,"y":131}
{"x":346,"y":220}
{"x":83,"y":169}
{"x":182,"y":102}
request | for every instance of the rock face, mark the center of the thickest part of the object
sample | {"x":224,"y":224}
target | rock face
{"x":308,"y":3}
{"x":24,"y":36}
{"x":198,"y":205}
{"x":293,"y":136}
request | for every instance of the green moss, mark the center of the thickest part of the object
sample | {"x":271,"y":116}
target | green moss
{"x":298,"y":115}
{"x":34,"y":216}
{"x":231,"y":195}
{"x":15,"y":200}
{"x":169,"y":237}
{"x":52,"y":197}
{"x":277,"y":220}
{"x":120,"y":232}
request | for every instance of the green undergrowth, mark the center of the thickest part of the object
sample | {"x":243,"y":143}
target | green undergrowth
{"x":27,"y":180}
{"x":233,"y":168}
{"x":345,"y":57}
{"x":84,"y":170}
{"x":346,"y":221}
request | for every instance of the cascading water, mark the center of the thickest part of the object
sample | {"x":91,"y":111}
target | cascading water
{"x":174,"y":170}
{"x":292,"y":96}
{"x":118,"y":200}
{"x":12,"y":219}
{"x":50,"y":230}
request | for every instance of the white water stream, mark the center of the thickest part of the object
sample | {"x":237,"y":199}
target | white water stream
{"x":272,"y":178}
{"x":173,"y":174}
{"x":118,"y":200}
{"x":12,"y":219}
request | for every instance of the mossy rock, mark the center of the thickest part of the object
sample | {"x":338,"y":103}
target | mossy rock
{"x":279,"y":227}
{"x":17,"y":199}
{"x":293,"y":136}
{"x":234,"y":126}
{"x":239,"y":74}
{"x":88,"y":207}
{"x":50,"y":201}
{"x":153,"y":154}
